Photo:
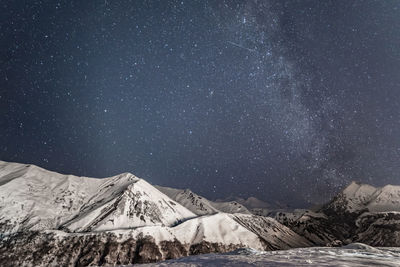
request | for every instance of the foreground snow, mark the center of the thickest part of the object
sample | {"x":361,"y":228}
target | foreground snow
{"x":354,"y":255}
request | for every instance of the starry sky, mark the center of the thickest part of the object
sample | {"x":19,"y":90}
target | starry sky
{"x":287,"y":101}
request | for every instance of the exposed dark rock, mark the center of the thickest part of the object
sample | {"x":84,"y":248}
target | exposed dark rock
{"x":207,"y":247}
{"x":173,"y":249}
{"x":379,"y":229}
{"x":100,"y":249}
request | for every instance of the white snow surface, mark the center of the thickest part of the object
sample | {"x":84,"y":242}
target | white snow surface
{"x":241,"y":230}
{"x":190,"y":200}
{"x":353,"y":255}
{"x":219,"y":228}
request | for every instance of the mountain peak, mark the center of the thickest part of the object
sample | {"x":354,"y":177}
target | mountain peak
{"x":36,"y":199}
{"x":357,"y":197}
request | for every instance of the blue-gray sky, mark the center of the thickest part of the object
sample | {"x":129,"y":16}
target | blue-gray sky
{"x":283,"y":100}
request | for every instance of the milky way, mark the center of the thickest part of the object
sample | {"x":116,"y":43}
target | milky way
{"x":283,"y":100}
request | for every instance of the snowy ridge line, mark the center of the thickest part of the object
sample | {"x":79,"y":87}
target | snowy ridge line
{"x":123,"y":219}
{"x":363,"y":196}
{"x":36,"y":199}
{"x":119,"y":202}
{"x":200,"y":205}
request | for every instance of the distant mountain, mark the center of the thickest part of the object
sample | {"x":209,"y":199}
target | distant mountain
{"x":200,"y":205}
{"x":360,"y":213}
{"x":193,"y":202}
{"x":358,"y":197}
{"x":254,"y":203}
{"x":257,"y":206}
{"x":48,"y":218}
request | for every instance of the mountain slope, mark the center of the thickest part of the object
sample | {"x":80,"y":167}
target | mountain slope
{"x":193,"y":202}
{"x":139,"y":204}
{"x":273,"y":234}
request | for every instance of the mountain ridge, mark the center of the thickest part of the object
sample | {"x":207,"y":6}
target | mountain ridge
{"x":48,"y":218}
{"x":43,"y":212}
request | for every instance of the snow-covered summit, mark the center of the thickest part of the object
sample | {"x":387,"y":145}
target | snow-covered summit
{"x":36,"y":199}
{"x":359,"y":197}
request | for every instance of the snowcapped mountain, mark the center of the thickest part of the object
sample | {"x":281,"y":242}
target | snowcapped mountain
{"x":37,"y":199}
{"x":138,"y":204}
{"x":230,"y":207}
{"x":360,"y":213}
{"x":200,"y":205}
{"x":358,"y":197}
{"x":220,"y":232}
{"x":193,"y":202}
{"x":256,"y":206}
{"x":47,"y":218}
{"x":69,"y":220}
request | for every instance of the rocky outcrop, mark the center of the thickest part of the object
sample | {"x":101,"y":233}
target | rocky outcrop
{"x":380,"y":229}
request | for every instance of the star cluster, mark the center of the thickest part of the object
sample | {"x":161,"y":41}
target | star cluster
{"x":283,"y":100}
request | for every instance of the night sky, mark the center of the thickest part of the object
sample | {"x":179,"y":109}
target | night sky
{"x":283,"y":100}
